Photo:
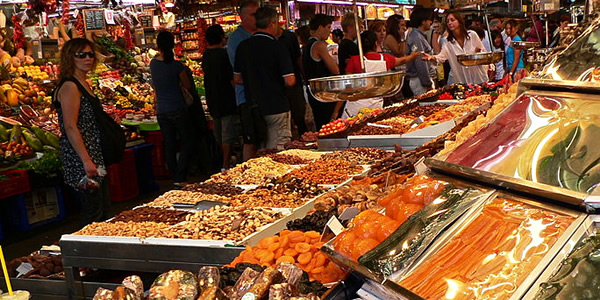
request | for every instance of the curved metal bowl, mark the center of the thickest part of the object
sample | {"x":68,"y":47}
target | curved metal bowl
{"x":355,"y":87}
{"x":481,"y":58}
{"x":524,"y":45}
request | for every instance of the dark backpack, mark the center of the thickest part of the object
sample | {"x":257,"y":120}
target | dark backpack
{"x":112,"y":137}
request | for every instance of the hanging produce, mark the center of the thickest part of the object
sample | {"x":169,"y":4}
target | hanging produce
{"x":129,"y":44}
{"x":202,"y":26}
{"x":65,"y":12}
{"x":18,"y":36}
{"x":79,"y":24}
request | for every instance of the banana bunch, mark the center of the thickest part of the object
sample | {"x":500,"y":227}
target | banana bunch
{"x":123,"y":102}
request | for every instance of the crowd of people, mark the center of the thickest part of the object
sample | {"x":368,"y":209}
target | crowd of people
{"x":256,"y":79}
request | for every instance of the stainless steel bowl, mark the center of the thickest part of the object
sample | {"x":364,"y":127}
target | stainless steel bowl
{"x":356,"y":86}
{"x":481,"y":58}
{"x":524,"y":45}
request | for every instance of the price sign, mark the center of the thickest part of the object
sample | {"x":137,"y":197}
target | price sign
{"x":93,"y":19}
{"x":145,"y":21}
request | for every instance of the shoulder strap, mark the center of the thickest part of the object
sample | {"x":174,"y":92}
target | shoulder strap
{"x":80,"y":87}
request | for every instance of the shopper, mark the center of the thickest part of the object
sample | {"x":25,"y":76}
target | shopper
{"x":295,"y":94}
{"x":374,"y":62}
{"x":265,"y":69}
{"x":337,"y":35}
{"x":478,"y":26}
{"x":461,"y":41}
{"x":420,"y":72}
{"x":244,"y":31}
{"x":80,"y":141}
{"x":514,"y":57}
{"x":395,"y":40}
{"x":318,"y":63}
{"x":220,"y":93}
{"x":536,"y":31}
{"x":378,"y":27}
{"x":498,"y":73}
{"x":348,"y":47}
{"x":303,"y":34}
{"x":169,"y":80}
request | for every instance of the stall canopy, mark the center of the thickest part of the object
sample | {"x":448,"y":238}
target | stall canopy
{"x":362,"y":2}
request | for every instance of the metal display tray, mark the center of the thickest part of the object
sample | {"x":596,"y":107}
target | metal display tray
{"x":473,"y":213}
{"x":589,"y":226}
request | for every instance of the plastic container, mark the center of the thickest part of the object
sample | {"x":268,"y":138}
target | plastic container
{"x":18,"y":183}
{"x":33,"y":209}
{"x":122,"y":178}
{"x":158,"y":152}
{"x":143,"y":163}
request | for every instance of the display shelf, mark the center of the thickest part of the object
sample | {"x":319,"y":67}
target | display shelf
{"x":133,"y":254}
{"x":49,"y":289}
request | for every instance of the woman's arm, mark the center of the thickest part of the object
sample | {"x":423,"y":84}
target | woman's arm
{"x":70,"y":101}
{"x":405,"y":59}
{"x":185,"y":80}
{"x":319,"y":50}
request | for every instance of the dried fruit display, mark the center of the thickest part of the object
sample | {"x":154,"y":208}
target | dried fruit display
{"x":151,"y":214}
{"x":215,"y":188}
{"x":304,"y":154}
{"x":333,"y":128}
{"x":332,"y":171}
{"x":362,"y":197}
{"x":296,"y":247}
{"x":172,"y":197}
{"x":255,"y":171}
{"x":492,"y":255}
{"x":367,"y":230}
{"x":288,"y":159}
{"x":263,"y":197}
{"x":129,"y":229}
{"x":222,"y":223}
{"x":361,"y":156}
{"x":314,"y":221}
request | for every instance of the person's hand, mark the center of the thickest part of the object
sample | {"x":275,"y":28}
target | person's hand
{"x":478,"y":50}
{"x":427,"y":57}
{"x":90,"y":169}
{"x":414,"y":55}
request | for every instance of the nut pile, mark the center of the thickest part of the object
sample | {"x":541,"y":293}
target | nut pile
{"x":362,"y":156}
{"x":360,"y":196}
{"x":255,"y":171}
{"x":424,"y":110}
{"x":332,"y":171}
{"x":169,"y":198}
{"x":288,"y":159}
{"x":263,"y":197}
{"x":304,"y":154}
{"x":151,"y":214}
{"x":221,"y":223}
{"x":296,"y":186}
{"x":215,"y":188}
{"x":130,"y":229}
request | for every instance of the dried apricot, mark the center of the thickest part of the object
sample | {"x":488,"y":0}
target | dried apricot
{"x":320,"y":259}
{"x":266,"y":258}
{"x":284,"y":241}
{"x":278,"y":253}
{"x":304,"y":258}
{"x":264,"y":243}
{"x":273,"y":247}
{"x":317,"y":270}
{"x":296,"y":236}
{"x":284,"y":232}
{"x":286,"y":258}
{"x":312,"y":234}
{"x":290,"y":252}
{"x":302,"y":247}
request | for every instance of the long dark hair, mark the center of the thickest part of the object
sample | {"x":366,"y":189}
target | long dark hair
{"x":67,"y":55}
{"x":392,"y":24}
{"x":166,"y":42}
{"x":369,"y":41}
{"x":462,"y":27}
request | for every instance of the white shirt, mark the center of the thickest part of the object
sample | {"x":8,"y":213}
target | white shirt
{"x":460,"y":73}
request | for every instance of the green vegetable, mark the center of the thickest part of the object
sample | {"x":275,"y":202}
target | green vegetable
{"x":52,"y":140}
{"x":4,"y":134}
{"x":33,"y":141}
{"x":49,"y":165}
{"x":40,"y":134}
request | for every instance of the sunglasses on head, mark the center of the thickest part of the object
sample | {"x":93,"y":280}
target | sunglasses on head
{"x":90,"y":54}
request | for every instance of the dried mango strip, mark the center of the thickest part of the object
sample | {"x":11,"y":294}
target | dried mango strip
{"x":492,"y":255}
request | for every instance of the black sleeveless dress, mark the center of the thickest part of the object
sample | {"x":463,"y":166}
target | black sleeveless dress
{"x":90,"y":133}
{"x":316,"y":69}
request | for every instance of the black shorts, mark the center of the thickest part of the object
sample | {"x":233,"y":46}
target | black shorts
{"x":254,"y":127}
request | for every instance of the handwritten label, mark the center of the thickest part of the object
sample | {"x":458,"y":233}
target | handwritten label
{"x":93,"y":19}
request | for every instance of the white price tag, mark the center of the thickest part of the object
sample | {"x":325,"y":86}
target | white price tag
{"x":23,"y":269}
{"x":75,"y":13}
{"x":334,"y":225}
{"x":420,"y":167}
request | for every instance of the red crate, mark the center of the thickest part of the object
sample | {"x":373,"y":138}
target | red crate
{"x":18,"y":183}
{"x":122,"y":178}
{"x":158,"y":152}
{"x":160,"y":171}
